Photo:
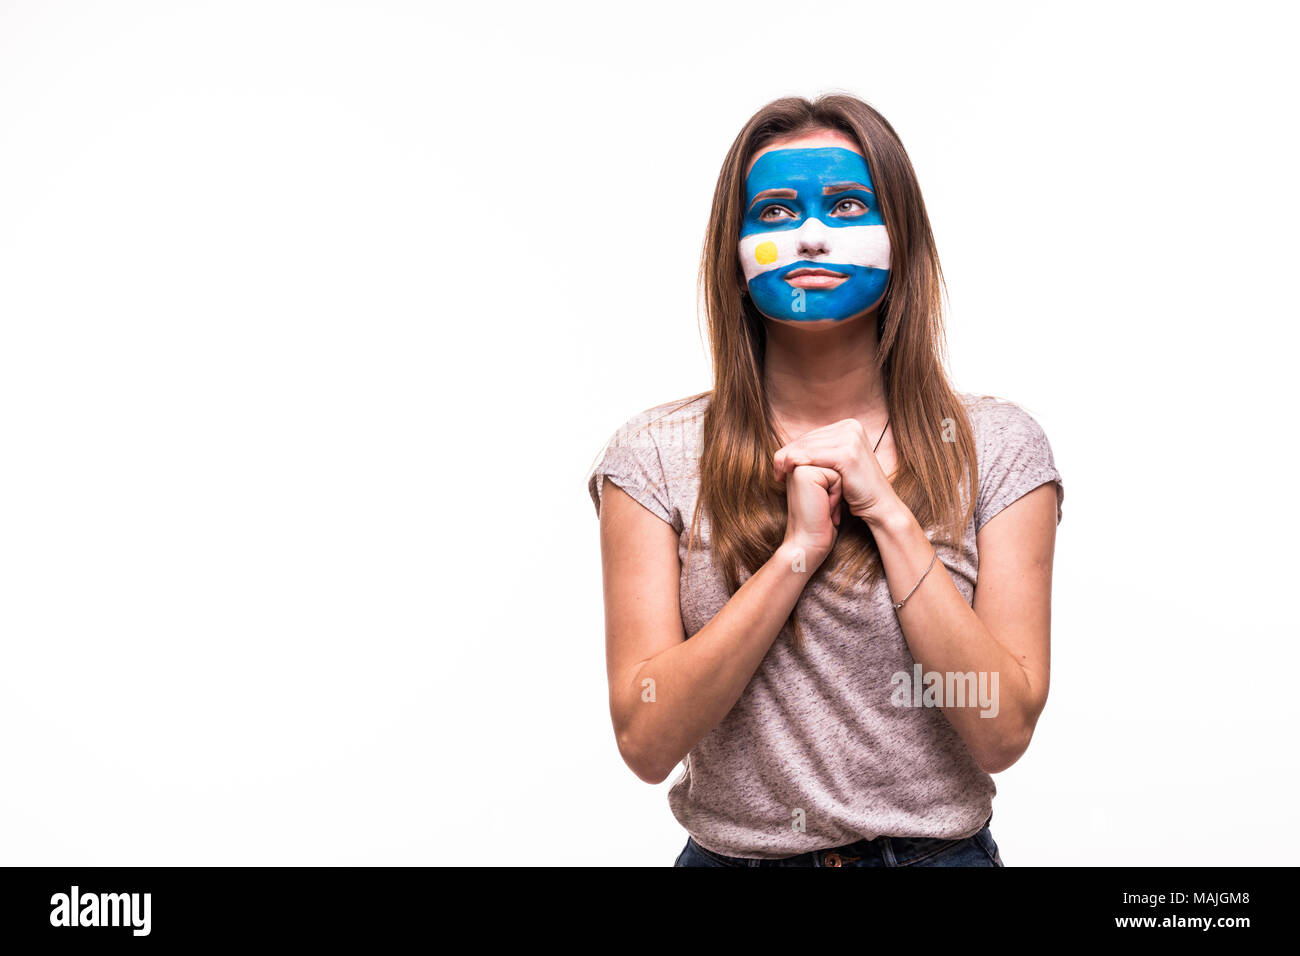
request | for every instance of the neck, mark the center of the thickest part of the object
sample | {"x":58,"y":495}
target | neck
{"x":814,"y":377}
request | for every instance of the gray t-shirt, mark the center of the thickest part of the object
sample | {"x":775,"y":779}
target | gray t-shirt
{"x":816,"y":737}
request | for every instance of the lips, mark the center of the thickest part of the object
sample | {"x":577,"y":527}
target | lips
{"x":815,"y":272}
{"x":813,"y":278}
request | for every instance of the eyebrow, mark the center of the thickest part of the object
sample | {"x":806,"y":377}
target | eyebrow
{"x":791,"y":194}
{"x":844,"y":187}
{"x":774,"y":194}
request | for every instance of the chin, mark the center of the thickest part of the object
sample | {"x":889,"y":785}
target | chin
{"x":816,"y":324}
{"x":813,"y":324}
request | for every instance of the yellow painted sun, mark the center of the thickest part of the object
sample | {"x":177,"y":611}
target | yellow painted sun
{"x":765,"y":253}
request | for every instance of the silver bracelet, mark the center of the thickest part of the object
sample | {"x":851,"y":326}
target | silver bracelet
{"x":899,"y":605}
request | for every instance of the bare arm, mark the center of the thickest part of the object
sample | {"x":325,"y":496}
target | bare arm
{"x":666,"y":692}
{"x":1007,"y":631}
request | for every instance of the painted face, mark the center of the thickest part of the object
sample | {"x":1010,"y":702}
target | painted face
{"x":813,"y":245}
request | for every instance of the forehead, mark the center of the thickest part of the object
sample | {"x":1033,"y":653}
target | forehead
{"x":797,"y":166}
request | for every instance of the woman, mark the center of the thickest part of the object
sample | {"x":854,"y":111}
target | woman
{"x":790,"y":559}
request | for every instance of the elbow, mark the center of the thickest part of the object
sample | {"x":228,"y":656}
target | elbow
{"x":1004,"y":749}
{"x":651,"y":775}
{"x":641,"y":760}
{"x":999,"y":761}
{"x":1009,"y":737}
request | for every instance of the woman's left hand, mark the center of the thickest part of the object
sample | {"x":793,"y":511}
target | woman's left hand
{"x":843,"y":446}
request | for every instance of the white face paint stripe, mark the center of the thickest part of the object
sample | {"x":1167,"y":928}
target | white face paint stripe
{"x":848,"y":245}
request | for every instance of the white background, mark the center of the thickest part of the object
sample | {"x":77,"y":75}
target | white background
{"x":316,"y":315}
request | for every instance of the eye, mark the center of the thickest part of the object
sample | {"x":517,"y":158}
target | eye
{"x":850,"y":207}
{"x":775,"y":213}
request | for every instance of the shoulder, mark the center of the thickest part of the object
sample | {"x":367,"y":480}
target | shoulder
{"x":1014,"y":454}
{"x":997,"y":422}
{"x":672,"y":425}
{"x":652,"y":456}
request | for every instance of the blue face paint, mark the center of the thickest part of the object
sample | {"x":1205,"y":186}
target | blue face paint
{"x":810,"y":211}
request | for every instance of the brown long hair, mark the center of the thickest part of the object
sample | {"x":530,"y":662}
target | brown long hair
{"x":934,"y":446}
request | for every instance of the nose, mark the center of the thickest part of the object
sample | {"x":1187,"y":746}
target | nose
{"x":814,"y":239}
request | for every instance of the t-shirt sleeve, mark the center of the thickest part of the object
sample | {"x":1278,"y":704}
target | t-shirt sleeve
{"x":632,"y":461}
{"x":1016,"y":458}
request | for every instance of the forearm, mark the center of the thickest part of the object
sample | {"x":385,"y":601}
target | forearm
{"x":945,"y":636}
{"x":698,"y":681}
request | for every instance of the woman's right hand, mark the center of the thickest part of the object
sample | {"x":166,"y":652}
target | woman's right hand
{"x":813,"y":498}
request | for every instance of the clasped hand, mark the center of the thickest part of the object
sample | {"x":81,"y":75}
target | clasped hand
{"x":844,"y":448}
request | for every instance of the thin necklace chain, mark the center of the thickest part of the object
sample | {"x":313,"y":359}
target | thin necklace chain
{"x":876,"y":447}
{"x":882,"y":436}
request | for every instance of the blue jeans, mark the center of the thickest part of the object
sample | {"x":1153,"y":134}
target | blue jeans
{"x":977,"y":850}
